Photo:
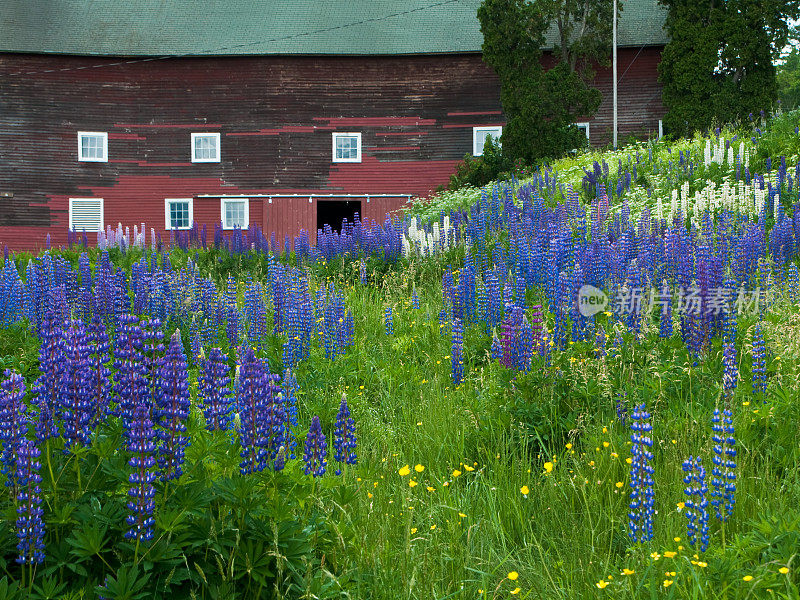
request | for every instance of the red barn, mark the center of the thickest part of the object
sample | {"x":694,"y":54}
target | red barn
{"x":281,"y":114}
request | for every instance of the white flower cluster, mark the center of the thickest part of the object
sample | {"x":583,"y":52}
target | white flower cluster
{"x":715,"y":153}
{"x":418,"y":241}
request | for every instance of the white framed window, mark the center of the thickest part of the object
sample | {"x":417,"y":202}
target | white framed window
{"x":346,"y":147}
{"x":178,"y":213}
{"x":584,"y":127}
{"x":235,"y":213}
{"x":205,"y":147}
{"x":479,"y":135}
{"x":92,"y":146}
{"x":86,"y":214}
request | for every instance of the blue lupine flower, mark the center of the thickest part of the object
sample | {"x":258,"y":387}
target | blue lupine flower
{"x":172,"y":409}
{"x":344,"y":436}
{"x":262,"y":421}
{"x":457,"y":353}
{"x":130,"y":380}
{"x":759,"y":361}
{"x":30,"y":525}
{"x":642,"y":496}
{"x":724,"y":475}
{"x":141,"y":442}
{"x":215,"y":391}
{"x":100,"y":374}
{"x":316,"y":450}
{"x":696,"y":504}
{"x":414,"y":299}
{"x":13,"y":422}
{"x":75,"y":393}
{"x":389,"y":321}
{"x":52,"y":363}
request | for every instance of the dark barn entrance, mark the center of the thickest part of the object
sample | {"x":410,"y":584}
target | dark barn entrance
{"x":331,"y":212}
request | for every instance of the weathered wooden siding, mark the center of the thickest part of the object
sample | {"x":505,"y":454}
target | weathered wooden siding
{"x":275,"y":115}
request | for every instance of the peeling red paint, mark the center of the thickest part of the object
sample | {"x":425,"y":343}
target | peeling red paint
{"x":411,"y":133}
{"x":473,"y":113}
{"x":470,"y":125}
{"x":376,"y":121}
{"x":169,"y":125}
{"x":124,"y":136}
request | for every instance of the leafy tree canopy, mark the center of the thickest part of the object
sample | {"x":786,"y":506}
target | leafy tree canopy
{"x":541,"y":106}
{"x":718,"y":65}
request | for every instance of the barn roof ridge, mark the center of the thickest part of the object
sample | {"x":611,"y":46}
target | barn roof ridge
{"x":269,"y":27}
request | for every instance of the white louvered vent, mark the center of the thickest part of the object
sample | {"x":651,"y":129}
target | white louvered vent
{"x":86,"y":214}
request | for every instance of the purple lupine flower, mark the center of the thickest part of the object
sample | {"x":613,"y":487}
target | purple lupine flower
{"x":316,"y":450}
{"x":30,"y":525}
{"x":76,"y":407}
{"x":260,"y":428}
{"x":52,"y":364}
{"x":457,"y":353}
{"x":344,"y":436}
{"x":130,"y":381}
{"x":642,"y":496}
{"x":414,"y":299}
{"x":101,"y":385}
{"x":215,"y":391}
{"x":13,"y":422}
{"x":696,"y":504}
{"x":141,"y":442}
{"x":172,"y":409}
{"x":723,"y":472}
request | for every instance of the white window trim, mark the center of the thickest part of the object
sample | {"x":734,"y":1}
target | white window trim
{"x":102,"y":134}
{"x":357,"y":135}
{"x":102,"y":215}
{"x":216,"y":137}
{"x":585,"y":124}
{"x":167,"y":202}
{"x":225,"y":201}
{"x":476,"y":130}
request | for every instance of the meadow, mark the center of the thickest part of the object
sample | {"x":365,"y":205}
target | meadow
{"x":424,"y":408}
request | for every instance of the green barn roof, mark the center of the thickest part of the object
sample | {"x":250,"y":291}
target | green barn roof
{"x":257,"y":27}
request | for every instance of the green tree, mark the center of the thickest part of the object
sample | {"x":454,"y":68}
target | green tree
{"x":788,"y":74}
{"x":541,"y":105}
{"x":718,"y":65}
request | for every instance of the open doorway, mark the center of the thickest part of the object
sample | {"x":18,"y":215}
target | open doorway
{"x":331,"y":212}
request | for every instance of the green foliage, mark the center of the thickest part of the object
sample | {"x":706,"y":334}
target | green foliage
{"x":718,"y":65}
{"x":540,"y":106}
{"x":478,"y":171}
{"x":788,"y":74}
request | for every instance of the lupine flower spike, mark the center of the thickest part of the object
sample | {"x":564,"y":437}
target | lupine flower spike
{"x":344,"y":436}
{"x":642,"y":496}
{"x":724,"y":474}
{"x":696,"y":503}
{"x":316,"y":451}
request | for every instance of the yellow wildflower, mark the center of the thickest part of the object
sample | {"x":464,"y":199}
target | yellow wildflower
{"x":419,"y":468}
{"x":513,"y":575}
{"x":548,"y":466}
{"x":627,"y":571}
{"x":404,"y":471}
{"x":601,"y":584}
{"x":524,"y":489}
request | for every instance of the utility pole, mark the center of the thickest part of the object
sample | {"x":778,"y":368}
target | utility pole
{"x":614,"y":71}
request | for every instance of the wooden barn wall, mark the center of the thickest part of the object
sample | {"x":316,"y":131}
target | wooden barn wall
{"x":275,"y":115}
